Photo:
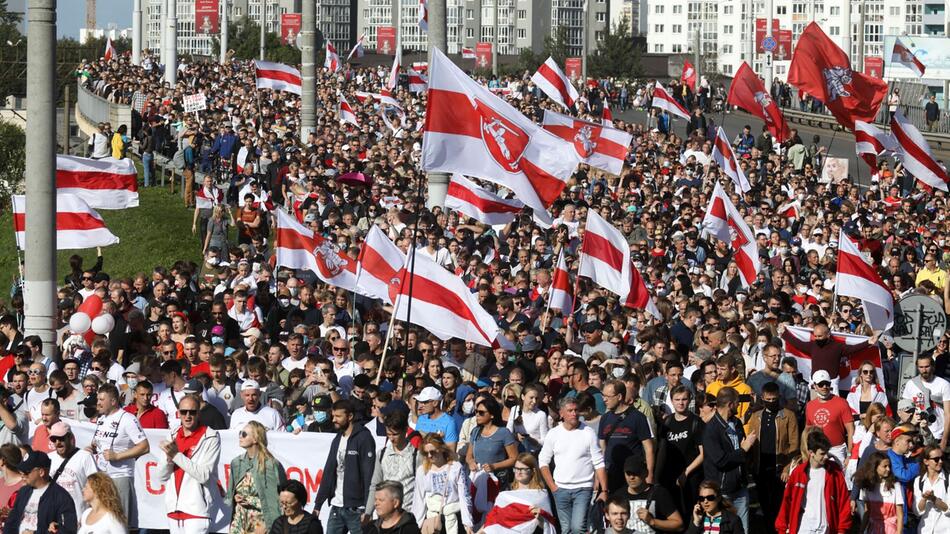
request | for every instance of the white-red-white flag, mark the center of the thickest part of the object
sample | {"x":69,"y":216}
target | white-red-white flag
{"x":914,"y":153}
{"x":513,"y":513}
{"x":379,"y":265}
{"x":469,"y":53}
{"x":606,"y":117}
{"x":208,"y":198}
{"x":905,"y":57}
{"x":597,"y":145}
{"x":110,"y":52}
{"x":299,"y":248}
{"x":723,"y":221}
{"x":726,"y":159}
{"x":357,"y":49}
{"x":480,"y":204}
{"x":791,"y":210}
{"x":106,"y":184}
{"x":278,"y":77}
{"x":468,"y":130}
{"x":605,"y":256}
{"x":560,"y":297}
{"x":441,"y":303}
{"x":77,"y":225}
{"x":424,"y":15}
{"x":870,"y":142}
{"x":849,"y":366}
{"x":345,"y":112}
{"x":551,"y":80}
{"x":859,"y":279}
{"x":639,"y":297}
{"x":417,"y":81}
{"x":664,"y":100}
{"x":332,"y":60}
{"x":393,"y":79}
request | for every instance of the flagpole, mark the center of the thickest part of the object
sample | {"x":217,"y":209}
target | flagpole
{"x":389,"y":334}
{"x":827,"y":154}
{"x":412,"y":261}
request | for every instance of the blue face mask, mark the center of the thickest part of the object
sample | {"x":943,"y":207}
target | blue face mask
{"x":217,"y":339}
{"x":320,"y":417}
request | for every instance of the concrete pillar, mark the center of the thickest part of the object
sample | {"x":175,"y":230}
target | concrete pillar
{"x":438,"y":181}
{"x":171,"y":43}
{"x":225,"y":8}
{"x":136,"y":32}
{"x":161,"y":33}
{"x":308,"y":68}
{"x":846,"y":15}
{"x":39,"y":293}
{"x":263,"y":26}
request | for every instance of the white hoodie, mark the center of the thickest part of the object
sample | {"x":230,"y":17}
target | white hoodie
{"x":200,"y":469}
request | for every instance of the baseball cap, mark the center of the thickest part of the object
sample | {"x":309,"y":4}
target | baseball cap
{"x":252,"y":332}
{"x":820,"y":376}
{"x":634,"y":465}
{"x":32,"y":461}
{"x":321,"y":403}
{"x":195,"y":387}
{"x":59,"y":430}
{"x":428,"y":394}
{"x":250,"y":384}
{"x":901,"y":430}
{"x":905,"y":405}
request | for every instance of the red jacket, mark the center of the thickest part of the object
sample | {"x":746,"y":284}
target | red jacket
{"x":152,"y":418}
{"x":837,"y":500}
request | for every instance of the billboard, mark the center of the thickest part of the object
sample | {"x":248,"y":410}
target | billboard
{"x":933,"y":52}
{"x":784,"y":49}
{"x":483,"y":55}
{"x":874,"y":66}
{"x":386,"y":40}
{"x":573,"y":68}
{"x":290,"y":24}
{"x":760,"y":33}
{"x":206,"y":17}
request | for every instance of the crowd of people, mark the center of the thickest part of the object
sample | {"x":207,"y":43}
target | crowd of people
{"x":603,"y":418}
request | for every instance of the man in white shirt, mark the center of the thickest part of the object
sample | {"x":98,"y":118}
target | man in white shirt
{"x":930,"y":393}
{"x":70,"y":466}
{"x":578,"y":461}
{"x":253,"y":410}
{"x":169,"y":398}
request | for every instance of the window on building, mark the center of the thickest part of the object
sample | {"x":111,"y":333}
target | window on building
{"x":470,"y":33}
{"x":658,"y":9}
{"x":727,"y":29}
{"x":728,"y":10}
{"x":835,"y":11}
{"x":522,"y":33}
{"x":522,"y":14}
{"x":601,"y":16}
{"x":727,"y":69}
{"x":677,"y":28}
{"x":781,"y":10}
{"x":657,"y":48}
{"x":727,"y":49}
{"x":470,"y":14}
{"x":677,"y":10}
{"x":834,"y":30}
{"x":658,"y":28}
{"x":677,"y":49}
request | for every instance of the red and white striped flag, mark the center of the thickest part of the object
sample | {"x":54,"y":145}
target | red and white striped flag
{"x":424,"y":15}
{"x":77,"y":225}
{"x":848,"y":368}
{"x":357,"y":48}
{"x":791,"y":210}
{"x":664,"y":100}
{"x":723,"y":221}
{"x":858,"y":279}
{"x":393,"y":79}
{"x":605,"y":256}
{"x":870,"y":142}
{"x":688,"y":76}
{"x":552,"y":82}
{"x":914,"y":152}
{"x":905,"y":57}
{"x":468,"y":53}
{"x":513,"y":513}
{"x":468,"y":130}
{"x":639,"y":297}
{"x":417,"y":81}
{"x":332,"y":60}
{"x":278,"y":77}
{"x":106,"y":184}
{"x":110,"y":52}
{"x":606,"y":116}
{"x":442,"y":303}
{"x":299,"y":248}
{"x":480,"y":204}
{"x":726,"y":159}
{"x":208,"y":198}
{"x":560,"y":292}
{"x":597,"y":145}
{"x":380,"y":261}
{"x":345,"y":112}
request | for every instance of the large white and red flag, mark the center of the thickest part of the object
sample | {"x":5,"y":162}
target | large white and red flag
{"x":441,"y":303}
{"x":749,"y":93}
{"x":357,"y":48}
{"x":77,"y":225}
{"x":110,"y":52}
{"x":345,"y":112}
{"x":560,"y":297}
{"x":870,"y":142}
{"x":859,"y":279}
{"x":480,"y":204}
{"x":332,"y":60}
{"x":639,"y":297}
{"x":606,"y":117}
{"x":417,"y":81}
{"x":664,"y":100}
{"x":905,"y":57}
{"x":469,"y":53}
{"x":393,"y":79}
{"x":207,"y":199}
{"x":605,"y":256}
{"x":278,"y":77}
{"x":597,"y":145}
{"x":551,"y":80}
{"x":379,"y":265}
{"x":513,"y":513}
{"x":723,"y":221}
{"x":299,"y":248}
{"x":914,"y":153}
{"x":106,"y":184}
{"x":424,"y":15}
{"x":726,"y":159}
{"x":849,"y":366}
{"x":688,"y":76}
{"x":468,"y":130}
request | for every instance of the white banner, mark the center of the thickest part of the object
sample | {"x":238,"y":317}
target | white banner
{"x":194,"y":103}
{"x":303,"y":457}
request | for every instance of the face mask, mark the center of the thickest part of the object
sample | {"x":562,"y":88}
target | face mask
{"x":757,"y":316}
{"x":132,"y":382}
{"x":293,"y":291}
{"x":216,"y":339}
{"x":294,"y":302}
{"x":248,"y":341}
{"x":582,"y":419}
{"x":770,"y":405}
{"x":283,"y":302}
{"x":511,"y":403}
{"x":822,"y":342}
{"x":775,"y":309}
{"x":618,"y":372}
{"x":761,"y":345}
{"x":512,"y":358}
{"x":320,"y":417}
{"x":468,"y":407}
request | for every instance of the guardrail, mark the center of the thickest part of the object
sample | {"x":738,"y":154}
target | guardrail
{"x":827,"y":121}
{"x":96,"y":109}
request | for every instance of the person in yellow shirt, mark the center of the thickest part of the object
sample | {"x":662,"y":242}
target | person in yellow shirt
{"x":728,"y":376}
{"x":119,"y":143}
{"x":932,"y":272}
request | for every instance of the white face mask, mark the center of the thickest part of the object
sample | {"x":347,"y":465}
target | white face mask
{"x":468,"y":407}
{"x":761,"y":345}
{"x":248,"y":341}
{"x":618,"y":372}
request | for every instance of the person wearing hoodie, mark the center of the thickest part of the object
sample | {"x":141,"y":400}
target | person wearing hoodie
{"x":392,"y":518}
{"x":728,"y":376}
{"x":348,"y":471}
{"x":464,"y":404}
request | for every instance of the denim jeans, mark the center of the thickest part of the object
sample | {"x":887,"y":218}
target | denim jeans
{"x":344,"y":520}
{"x":147,"y":167}
{"x":572,"y":507}
{"x":740,"y":499}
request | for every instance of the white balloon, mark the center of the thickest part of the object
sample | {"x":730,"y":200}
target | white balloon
{"x":80,"y":322}
{"x":103,"y":324}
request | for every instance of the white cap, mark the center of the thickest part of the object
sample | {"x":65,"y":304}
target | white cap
{"x":250,"y":384}
{"x":428,"y":394}
{"x":820,"y":376}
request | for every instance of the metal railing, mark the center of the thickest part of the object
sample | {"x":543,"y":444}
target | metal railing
{"x":912,"y":106}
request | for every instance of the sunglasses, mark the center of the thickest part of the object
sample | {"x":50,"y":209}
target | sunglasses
{"x":932,"y":458}
{"x":481,"y":412}
{"x":430,"y":453}
{"x":57,"y":439}
{"x":708,"y":498}
{"x":35,"y":372}
{"x":190,"y":413}
{"x":867,"y":371}
{"x":823,"y":384}
{"x":242,"y":434}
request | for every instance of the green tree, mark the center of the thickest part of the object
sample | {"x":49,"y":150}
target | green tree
{"x":12,"y":161}
{"x":556,"y":46}
{"x":618,"y":54}
{"x":244,"y":37}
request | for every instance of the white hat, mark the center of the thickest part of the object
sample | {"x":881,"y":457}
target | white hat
{"x":250,"y":384}
{"x":820,"y":376}
{"x":428,"y":394}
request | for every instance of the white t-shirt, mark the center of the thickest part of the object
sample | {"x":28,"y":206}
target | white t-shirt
{"x":120,"y":432}
{"x":939,"y":392}
{"x":813,"y":517}
{"x":290,"y":364}
{"x":33,"y":401}
{"x":337,"y":499}
{"x":31,"y":512}
{"x":74,"y":475}
{"x":264,"y":415}
{"x":106,"y":524}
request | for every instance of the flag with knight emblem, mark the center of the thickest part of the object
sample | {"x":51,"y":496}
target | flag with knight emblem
{"x":749,"y":93}
{"x":597,"y":145}
{"x":299,"y":248}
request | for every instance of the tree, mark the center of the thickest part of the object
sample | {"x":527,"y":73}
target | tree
{"x":617,"y":55}
{"x":556,"y":46}
{"x":244,"y":37}
{"x":12,"y":161}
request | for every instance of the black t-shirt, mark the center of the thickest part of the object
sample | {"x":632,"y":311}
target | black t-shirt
{"x":211,"y":417}
{"x":681,"y":442}
{"x":656,"y":499}
{"x":624,"y":434}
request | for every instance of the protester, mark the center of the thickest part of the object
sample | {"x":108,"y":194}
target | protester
{"x":295,"y":519}
{"x":104,"y":514}
{"x":725,"y":450}
{"x":40,"y":505}
{"x":818,"y":475}
{"x":70,"y":466}
{"x":441,"y":501}
{"x":391,"y":515}
{"x":930,"y":493}
{"x":713,"y":513}
{"x":118,"y":441}
{"x":881,"y":495}
{"x":397,"y":461}
{"x":254,"y":479}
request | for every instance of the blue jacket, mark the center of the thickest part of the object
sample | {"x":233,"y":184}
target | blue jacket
{"x":224,"y":145}
{"x":56,"y":506}
{"x":359,"y":462}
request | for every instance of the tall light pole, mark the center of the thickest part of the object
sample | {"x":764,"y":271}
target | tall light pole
{"x":769,"y":72}
{"x":263,"y":25}
{"x":750,"y":42}
{"x":163,"y":23}
{"x":438,"y":181}
{"x":39,"y":269}
{"x":860,"y":58}
{"x":223,"y":53}
{"x":137,"y":32}
{"x":171,"y":44}
{"x":585,"y":21}
{"x":846,"y":15}
{"x":308,"y":69}
{"x":494,"y":52}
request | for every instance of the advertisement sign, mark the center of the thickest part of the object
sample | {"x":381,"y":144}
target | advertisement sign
{"x":386,"y":40}
{"x":206,"y":17}
{"x":874,"y":66}
{"x":483,"y":55}
{"x":783,"y":51}
{"x":290,"y":24}
{"x":760,"y":33}
{"x":933,"y":52}
{"x":573,"y":68}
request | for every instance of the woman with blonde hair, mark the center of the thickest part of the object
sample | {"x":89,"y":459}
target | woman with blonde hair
{"x":217,"y":234}
{"x":441,"y":502}
{"x":253,"y":487}
{"x":104,"y":515}
{"x":527,"y":488}
{"x":866,"y":389}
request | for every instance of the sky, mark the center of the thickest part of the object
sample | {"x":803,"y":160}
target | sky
{"x":71,"y":14}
